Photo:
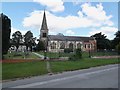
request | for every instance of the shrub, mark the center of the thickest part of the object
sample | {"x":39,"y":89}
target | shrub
{"x":68,"y":50}
{"x":76,"y":56}
{"x":78,"y":53}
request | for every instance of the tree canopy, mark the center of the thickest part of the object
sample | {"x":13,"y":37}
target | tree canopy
{"x":102,"y":41}
{"x":17,"y":39}
{"x":116,"y":40}
{"x":40,"y":46}
{"x":6,"y":30}
{"x":29,"y":40}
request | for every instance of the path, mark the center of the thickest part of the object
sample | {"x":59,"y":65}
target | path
{"x":47,"y":63}
{"x":39,"y":55}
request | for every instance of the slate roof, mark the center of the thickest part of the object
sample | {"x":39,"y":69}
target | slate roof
{"x":44,"y":23}
{"x":69,"y":38}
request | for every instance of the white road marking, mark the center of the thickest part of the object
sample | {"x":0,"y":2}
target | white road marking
{"x":60,"y":79}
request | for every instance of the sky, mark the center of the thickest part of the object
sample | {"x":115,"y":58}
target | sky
{"x":70,"y":18}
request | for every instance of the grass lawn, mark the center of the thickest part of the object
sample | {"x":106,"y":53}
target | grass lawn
{"x":26,"y":69}
{"x":20,"y":55}
{"x":20,"y":70}
{"x":84,"y":54}
{"x":83,"y":64}
{"x":55,"y":55}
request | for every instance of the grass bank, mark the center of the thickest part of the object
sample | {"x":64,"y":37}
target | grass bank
{"x":20,"y":55}
{"x":26,"y":69}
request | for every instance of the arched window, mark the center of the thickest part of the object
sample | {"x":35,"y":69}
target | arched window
{"x":78,"y":45}
{"x":62,"y":45}
{"x":53,"y":45}
{"x":71,"y":46}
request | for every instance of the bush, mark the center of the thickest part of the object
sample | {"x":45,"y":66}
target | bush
{"x":77,"y":55}
{"x":118,"y":48}
{"x":68,"y":50}
{"x":40,"y":46}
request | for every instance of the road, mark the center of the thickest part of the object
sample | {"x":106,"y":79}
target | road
{"x":97,"y":77}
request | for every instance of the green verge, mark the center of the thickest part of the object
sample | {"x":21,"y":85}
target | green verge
{"x":21,"y":70}
{"x":27,"y":69}
{"x":82,"y":64}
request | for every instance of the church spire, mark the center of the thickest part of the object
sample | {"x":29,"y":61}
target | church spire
{"x":44,"y":22}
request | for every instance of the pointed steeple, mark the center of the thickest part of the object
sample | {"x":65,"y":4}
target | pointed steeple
{"x":44,"y":23}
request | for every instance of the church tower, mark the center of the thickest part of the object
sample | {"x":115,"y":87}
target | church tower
{"x":44,"y":31}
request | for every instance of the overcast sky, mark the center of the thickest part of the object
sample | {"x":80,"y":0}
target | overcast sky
{"x":69,"y":18}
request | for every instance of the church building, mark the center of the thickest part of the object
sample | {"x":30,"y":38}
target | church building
{"x":57,"y":43}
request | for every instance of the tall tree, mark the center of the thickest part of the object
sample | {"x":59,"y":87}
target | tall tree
{"x":102,"y":41}
{"x":6,"y":30}
{"x":17,"y":39}
{"x":29,"y":40}
{"x":116,"y":40}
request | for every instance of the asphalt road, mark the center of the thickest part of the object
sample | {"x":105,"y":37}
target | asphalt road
{"x":97,"y":77}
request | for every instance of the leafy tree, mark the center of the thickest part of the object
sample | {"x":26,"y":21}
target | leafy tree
{"x":29,"y":40}
{"x":116,"y":40}
{"x":118,"y":48}
{"x":102,"y":41}
{"x":6,"y":30}
{"x":40,"y":46}
{"x":17,"y":39}
{"x":60,"y":34}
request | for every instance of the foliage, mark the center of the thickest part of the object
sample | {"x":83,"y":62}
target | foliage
{"x":68,"y":50}
{"x":60,"y":34}
{"x":116,"y":40}
{"x":102,"y":42}
{"x":6,"y":30}
{"x":118,"y":48}
{"x":77,"y":55}
{"x":29,"y":40}
{"x":17,"y":39}
{"x":40,"y":46}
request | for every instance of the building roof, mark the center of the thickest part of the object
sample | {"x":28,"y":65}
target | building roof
{"x":44,"y":23}
{"x":69,"y":38}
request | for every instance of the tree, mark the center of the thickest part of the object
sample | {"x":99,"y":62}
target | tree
{"x":102,"y":41}
{"x":116,"y":40}
{"x":118,"y":48}
{"x":40,"y":46}
{"x":6,"y":30}
{"x":17,"y":39}
{"x":29,"y":40}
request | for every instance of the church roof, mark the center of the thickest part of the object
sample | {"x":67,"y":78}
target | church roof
{"x":44,"y":23}
{"x":69,"y":38}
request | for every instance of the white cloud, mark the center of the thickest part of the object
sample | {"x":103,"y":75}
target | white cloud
{"x":70,"y":32}
{"x":89,"y":17}
{"x":52,"y":5}
{"x":96,"y":13}
{"x":109,"y":31}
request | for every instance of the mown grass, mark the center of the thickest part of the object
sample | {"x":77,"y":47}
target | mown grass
{"x":82,"y":64}
{"x":84,"y":54}
{"x":26,"y":69}
{"x":20,"y":70}
{"x":55,"y":55}
{"x":20,"y":55}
